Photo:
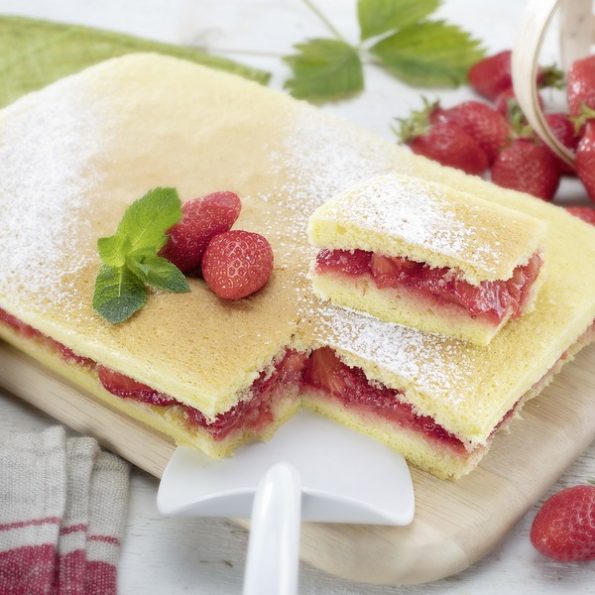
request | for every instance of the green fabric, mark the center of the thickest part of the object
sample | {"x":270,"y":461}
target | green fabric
{"x":34,"y":53}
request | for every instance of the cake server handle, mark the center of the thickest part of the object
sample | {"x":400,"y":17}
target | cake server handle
{"x":273,"y":548}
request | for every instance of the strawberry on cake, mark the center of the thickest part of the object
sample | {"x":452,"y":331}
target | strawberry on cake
{"x":417,"y":253}
{"x":226,"y":353}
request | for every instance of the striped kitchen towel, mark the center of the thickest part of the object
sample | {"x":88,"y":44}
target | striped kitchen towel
{"x":62,"y":510}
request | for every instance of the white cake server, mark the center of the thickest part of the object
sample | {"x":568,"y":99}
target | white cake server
{"x":313,"y":469}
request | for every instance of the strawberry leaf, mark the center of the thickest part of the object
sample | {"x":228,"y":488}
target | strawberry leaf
{"x":429,"y":54}
{"x":118,"y":294}
{"x":158,"y":272}
{"x":381,"y":16}
{"x":324,"y":69}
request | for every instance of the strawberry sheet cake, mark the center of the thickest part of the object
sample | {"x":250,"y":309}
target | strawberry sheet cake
{"x":214,"y":373}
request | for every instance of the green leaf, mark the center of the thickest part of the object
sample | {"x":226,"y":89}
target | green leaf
{"x":380,"y":16}
{"x":147,"y":219}
{"x":118,"y":294}
{"x":324,"y":69}
{"x":112,"y":250}
{"x":158,"y":272}
{"x":429,"y":54}
{"x":34,"y":53}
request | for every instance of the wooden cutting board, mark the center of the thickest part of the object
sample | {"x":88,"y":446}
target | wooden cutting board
{"x":455,"y":524}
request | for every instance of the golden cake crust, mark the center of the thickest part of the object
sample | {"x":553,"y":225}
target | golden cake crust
{"x":74,"y":155}
{"x":399,"y":215}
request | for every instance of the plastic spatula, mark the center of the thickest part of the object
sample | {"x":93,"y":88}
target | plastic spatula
{"x":313,"y":469}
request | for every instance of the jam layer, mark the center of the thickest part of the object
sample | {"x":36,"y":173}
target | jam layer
{"x":492,"y":301}
{"x":322,"y":370}
{"x":253,"y":413}
{"x":349,"y":386}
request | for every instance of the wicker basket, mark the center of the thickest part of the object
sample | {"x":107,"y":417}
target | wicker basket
{"x":577,"y":27}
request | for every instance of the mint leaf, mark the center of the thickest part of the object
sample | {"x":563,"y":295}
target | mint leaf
{"x":112,"y":250}
{"x":430,"y":53}
{"x":130,"y":259}
{"x":158,"y":272}
{"x":324,"y":69}
{"x":381,"y":16}
{"x":118,"y":294}
{"x":147,"y":219}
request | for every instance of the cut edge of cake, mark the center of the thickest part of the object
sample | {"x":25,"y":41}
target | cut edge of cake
{"x":428,"y":222}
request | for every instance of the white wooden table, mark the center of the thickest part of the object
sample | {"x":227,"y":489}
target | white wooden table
{"x":206,"y":557}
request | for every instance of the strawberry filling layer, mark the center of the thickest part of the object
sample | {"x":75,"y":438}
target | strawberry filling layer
{"x":349,"y":386}
{"x":492,"y":301}
{"x":322,"y":370}
{"x":253,"y":413}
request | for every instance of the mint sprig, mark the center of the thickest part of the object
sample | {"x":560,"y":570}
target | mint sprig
{"x":399,"y":37}
{"x":130,"y":257}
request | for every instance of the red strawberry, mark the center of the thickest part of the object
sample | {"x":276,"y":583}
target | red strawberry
{"x":127,"y":388}
{"x":585,"y":213}
{"x":427,"y":135}
{"x":450,"y":145}
{"x":492,"y":75}
{"x":581,"y":85}
{"x":585,"y":159}
{"x":563,"y":130}
{"x":237,"y":263}
{"x":202,"y":219}
{"x":488,"y":127}
{"x":527,"y":167}
{"x":564,"y":528}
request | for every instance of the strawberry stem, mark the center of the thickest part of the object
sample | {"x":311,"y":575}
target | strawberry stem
{"x":324,"y":20}
{"x":551,"y":76}
{"x":518,"y":123}
{"x":418,"y":122}
{"x":587,"y":113}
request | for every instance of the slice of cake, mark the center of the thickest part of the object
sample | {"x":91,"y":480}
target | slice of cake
{"x":421,"y":254}
{"x":213,"y":373}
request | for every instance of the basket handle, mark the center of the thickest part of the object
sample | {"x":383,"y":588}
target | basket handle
{"x":575,"y":29}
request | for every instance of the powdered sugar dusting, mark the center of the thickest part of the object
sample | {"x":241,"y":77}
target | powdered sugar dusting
{"x":416,"y":210}
{"x":435,"y":365}
{"x":321,"y":157}
{"x":44,"y":166}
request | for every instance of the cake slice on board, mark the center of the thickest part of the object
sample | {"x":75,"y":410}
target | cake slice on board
{"x":73,"y":157}
{"x":421,"y":254}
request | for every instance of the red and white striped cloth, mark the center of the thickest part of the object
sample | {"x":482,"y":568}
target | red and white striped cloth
{"x":62,"y":511}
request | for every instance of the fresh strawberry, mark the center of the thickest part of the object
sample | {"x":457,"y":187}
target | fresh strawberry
{"x":202,"y":219}
{"x":492,"y":75}
{"x":127,"y":388}
{"x":585,"y":159}
{"x":528,"y":167}
{"x":563,"y":129}
{"x":585,"y":213}
{"x":488,"y":127}
{"x":564,"y":528}
{"x":581,"y":85}
{"x":427,"y":134}
{"x":237,"y":263}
